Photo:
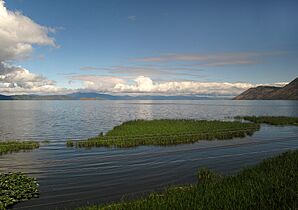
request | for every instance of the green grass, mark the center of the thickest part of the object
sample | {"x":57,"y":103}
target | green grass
{"x":69,"y":143}
{"x":16,"y":146}
{"x":272,"y":120}
{"x":16,"y":187}
{"x":167,"y":132}
{"x":273,"y":184}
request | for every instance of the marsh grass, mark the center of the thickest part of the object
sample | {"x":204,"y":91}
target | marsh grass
{"x":16,"y":146}
{"x":69,"y":143}
{"x":271,"y":120}
{"x":273,"y":184}
{"x":16,"y":187}
{"x":167,"y":132}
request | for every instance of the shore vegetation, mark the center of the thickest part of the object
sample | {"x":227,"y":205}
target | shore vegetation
{"x":272,"y":184}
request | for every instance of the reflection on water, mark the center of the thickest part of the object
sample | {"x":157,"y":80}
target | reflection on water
{"x":71,"y":178}
{"x":60,"y":120}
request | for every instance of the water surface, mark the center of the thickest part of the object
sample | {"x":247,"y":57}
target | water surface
{"x":74,"y":177}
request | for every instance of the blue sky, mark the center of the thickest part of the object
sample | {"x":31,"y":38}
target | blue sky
{"x":103,"y":44}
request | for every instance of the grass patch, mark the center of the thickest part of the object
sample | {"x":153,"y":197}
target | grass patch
{"x":272,"y":120}
{"x":69,"y":143}
{"x":16,"y":146}
{"x":167,"y":132}
{"x":273,"y":184}
{"x":16,"y":187}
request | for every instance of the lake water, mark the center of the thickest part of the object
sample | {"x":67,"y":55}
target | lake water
{"x":70,"y":177}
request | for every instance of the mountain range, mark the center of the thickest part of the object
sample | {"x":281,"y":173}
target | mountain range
{"x":100,"y":96}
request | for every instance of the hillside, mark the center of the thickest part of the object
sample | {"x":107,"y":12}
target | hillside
{"x":288,"y":92}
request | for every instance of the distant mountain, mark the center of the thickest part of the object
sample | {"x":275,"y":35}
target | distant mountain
{"x":288,"y":92}
{"x":3,"y":97}
{"x":39,"y":97}
{"x":90,"y":95}
{"x":101,"y":96}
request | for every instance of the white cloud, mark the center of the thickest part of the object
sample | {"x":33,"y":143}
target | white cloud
{"x":145,"y":85}
{"x":98,"y":83}
{"x":18,"y":35}
{"x":17,"y":80}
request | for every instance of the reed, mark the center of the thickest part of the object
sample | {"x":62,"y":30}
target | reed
{"x":271,"y":120}
{"x":16,"y":187}
{"x":16,"y":146}
{"x":272,"y":184}
{"x":167,"y":132}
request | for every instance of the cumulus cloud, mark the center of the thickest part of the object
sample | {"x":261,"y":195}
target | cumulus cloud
{"x":18,"y":35}
{"x":98,"y":83}
{"x":17,"y":80}
{"x":145,"y":85}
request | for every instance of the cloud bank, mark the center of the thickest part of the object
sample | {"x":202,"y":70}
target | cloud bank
{"x":17,"y":80}
{"x":145,"y":85}
{"x":18,"y":35}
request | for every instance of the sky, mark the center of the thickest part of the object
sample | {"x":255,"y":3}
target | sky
{"x":165,"y":47}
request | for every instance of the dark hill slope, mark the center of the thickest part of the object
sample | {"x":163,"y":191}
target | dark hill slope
{"x":288,"y":92}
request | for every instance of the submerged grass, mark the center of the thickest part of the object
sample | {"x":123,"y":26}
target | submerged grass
{"x":167,"y":132}
{"x":272,"y":120}
{"x":16,"y":187}
{"x":273,"y":184}
{"x":16,"y":146}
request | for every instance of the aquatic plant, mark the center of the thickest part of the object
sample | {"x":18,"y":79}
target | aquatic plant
{"x":16,"y":146}
{"x":167,"y":132}
{"x":271,"y":120}
{"x":272,"y":184}
{"x":69,"y":143}
{"x":16,"y":187}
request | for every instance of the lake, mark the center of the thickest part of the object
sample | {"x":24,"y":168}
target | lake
{"x":71,"y":177}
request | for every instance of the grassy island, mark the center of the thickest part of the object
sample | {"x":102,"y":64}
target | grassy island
{"x":16,"y":146}
{"x":16,"y":187}
{"x":273,"y":184}
{"x":272,"y":120}
{"x":167,"y":132}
